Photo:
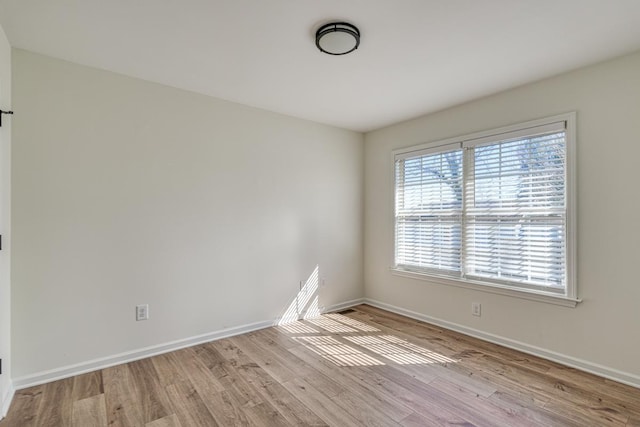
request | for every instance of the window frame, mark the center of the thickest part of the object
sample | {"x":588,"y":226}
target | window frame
{"x":570,"y":297}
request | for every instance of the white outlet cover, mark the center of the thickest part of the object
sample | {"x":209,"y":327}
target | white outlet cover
{"x":476,"y":308}
{"x":142,"y":312}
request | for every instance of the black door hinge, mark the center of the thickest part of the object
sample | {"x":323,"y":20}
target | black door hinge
{"x":4,"y":112}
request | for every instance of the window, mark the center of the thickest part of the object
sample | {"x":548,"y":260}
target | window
{"x":493,"y":208}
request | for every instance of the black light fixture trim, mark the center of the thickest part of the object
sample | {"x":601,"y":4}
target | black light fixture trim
{"x":341,"y":27}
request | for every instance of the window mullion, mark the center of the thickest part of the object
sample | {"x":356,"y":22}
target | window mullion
{"x":467,"y":199}
{"x":399,"y":199}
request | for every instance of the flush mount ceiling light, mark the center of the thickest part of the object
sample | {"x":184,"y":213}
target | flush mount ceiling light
{"x":337,"y":38}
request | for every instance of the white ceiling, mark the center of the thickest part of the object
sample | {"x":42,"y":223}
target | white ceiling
{"x":416,"y":56}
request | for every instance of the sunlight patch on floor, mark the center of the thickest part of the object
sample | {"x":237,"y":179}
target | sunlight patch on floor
{"x":299,"y":328}
{"x":330,"y":325}
{"x":337,"y":352}
{"x":352,"y":322}
{"x":349,"y":342}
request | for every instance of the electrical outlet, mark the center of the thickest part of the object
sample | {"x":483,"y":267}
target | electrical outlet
{"x":476,"y":309}
{"x":142,"y":312}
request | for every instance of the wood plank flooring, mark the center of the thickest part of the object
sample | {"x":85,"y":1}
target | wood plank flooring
{"x":361,"y":367}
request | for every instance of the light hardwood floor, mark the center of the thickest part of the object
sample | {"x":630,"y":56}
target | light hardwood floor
{"x":362,"y":367}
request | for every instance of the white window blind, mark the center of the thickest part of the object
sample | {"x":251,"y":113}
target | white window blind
{"x":489,"y":209}
{"x":429,"y":211}
{"x":515,"y":214}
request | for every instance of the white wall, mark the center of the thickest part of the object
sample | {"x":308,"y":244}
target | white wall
{"x":601,"y":330}
{"x":5,"y":221}
{"x":128,"y":192}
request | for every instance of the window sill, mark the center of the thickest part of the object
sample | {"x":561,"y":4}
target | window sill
{"x":490,"y":288}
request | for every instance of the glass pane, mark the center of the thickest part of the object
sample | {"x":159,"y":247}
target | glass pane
{"x":516,"y":211}
{"x":521,"y":250}
{"x":428,"y":211}
{"x":521,"y":174}
{"x":433,"y":243}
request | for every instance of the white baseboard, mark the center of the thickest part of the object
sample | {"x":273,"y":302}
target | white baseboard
{"x":117,"y":359}
{"x":6,"y":400}
{"x":105,"y":362}
{"x":583,"y":365}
